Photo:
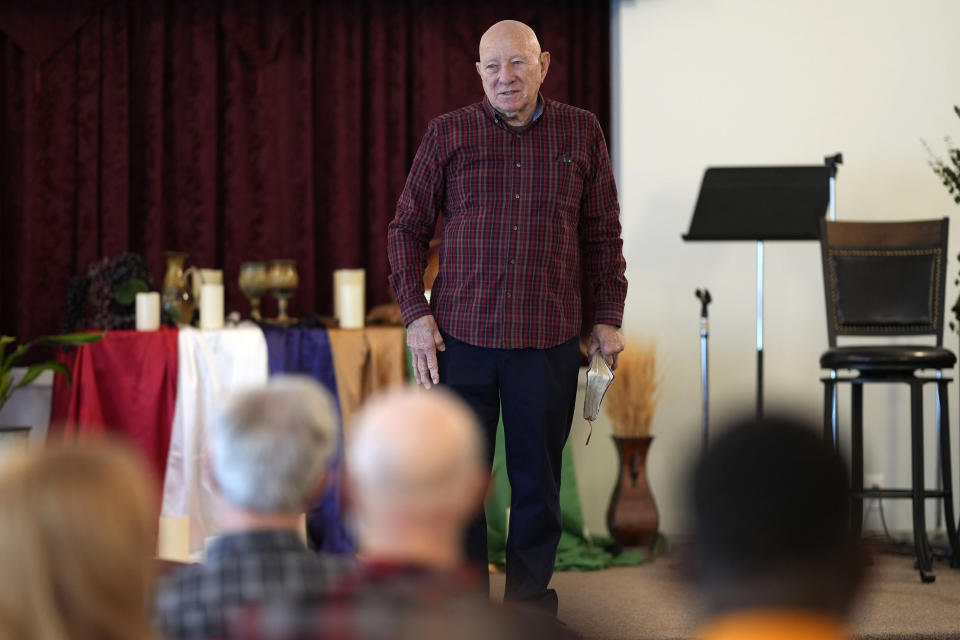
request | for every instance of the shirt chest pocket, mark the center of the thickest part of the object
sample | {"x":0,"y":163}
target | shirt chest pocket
{"x":567,"y":178}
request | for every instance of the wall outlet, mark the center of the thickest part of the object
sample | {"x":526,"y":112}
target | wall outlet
{"x":873,"y":480}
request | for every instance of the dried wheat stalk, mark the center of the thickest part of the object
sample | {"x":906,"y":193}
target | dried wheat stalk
{"x":632,"y":398}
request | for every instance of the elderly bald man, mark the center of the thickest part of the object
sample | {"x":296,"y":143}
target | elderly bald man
{"x":525,"y":186}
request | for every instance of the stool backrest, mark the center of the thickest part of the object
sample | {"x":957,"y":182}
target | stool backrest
{"x":884,"y":278}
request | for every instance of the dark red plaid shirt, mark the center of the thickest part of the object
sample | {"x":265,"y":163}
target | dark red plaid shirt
{"x":384,"y":601}
{"x":522,"y":209}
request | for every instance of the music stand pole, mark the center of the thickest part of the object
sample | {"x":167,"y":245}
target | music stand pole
{"x":759,"y":329}
{"x":832,"y":162}
{"x":832,"y":213}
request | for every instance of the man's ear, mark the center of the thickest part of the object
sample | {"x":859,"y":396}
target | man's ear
{"x":544,"y":64}
{"x":477,"y":65}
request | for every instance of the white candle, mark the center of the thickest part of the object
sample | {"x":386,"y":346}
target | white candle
{"x":211,"y":306}
{"x":352,"y":306}
{"x":148,"y":311}
{"x":349,"y":297}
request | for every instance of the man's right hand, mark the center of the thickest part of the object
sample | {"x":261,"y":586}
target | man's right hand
{"x":424,"y":339}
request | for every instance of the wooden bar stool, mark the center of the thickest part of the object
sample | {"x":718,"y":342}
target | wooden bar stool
{"x":888,"y":279}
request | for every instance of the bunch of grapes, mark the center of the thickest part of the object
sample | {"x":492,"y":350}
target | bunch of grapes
{"x":125,"y":267}
{"x":100,"y":308}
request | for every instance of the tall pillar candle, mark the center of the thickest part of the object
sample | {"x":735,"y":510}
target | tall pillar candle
{"x":211,"y":306}
{"x":148,"y":311}
{"x":349,"y":297}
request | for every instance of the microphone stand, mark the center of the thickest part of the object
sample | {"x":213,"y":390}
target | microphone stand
{"x":703,"y":295}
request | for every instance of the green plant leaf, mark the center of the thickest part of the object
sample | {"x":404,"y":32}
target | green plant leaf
{"x":34,"y":371}
{"x":16,"y":355}
{"x":70,"y":339}
{"x":4,"y":386}
{"x":4,"y":341}
{"x":63,"y":340}
{"x":125,"y":293}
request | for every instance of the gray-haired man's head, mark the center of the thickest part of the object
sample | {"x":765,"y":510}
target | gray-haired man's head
{"x":270,"y":446}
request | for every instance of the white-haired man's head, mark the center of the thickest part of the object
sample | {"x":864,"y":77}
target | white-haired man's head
{"x":270,"y":446}
{"x":415,"y":461}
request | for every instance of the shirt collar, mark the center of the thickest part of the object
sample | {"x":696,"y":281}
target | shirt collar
{"x":253,"y":541}
{"x":496,"y":117}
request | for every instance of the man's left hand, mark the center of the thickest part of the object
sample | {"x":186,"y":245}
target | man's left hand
{"x":609,"y":340}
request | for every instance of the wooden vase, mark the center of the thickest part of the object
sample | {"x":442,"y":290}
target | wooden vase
{"x":632,"y":516}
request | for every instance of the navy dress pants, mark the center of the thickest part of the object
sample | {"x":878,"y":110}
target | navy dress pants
{"x":536,"y":389}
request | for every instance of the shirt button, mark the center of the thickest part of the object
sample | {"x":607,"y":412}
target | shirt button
{"x":514,"y":227}
{"x":508,"y":294}
{"x":516,"y":196}
{"x":518,"y":165}
{"x":513,"y":262}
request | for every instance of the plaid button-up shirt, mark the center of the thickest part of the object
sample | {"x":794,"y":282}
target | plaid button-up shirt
{"x":384,"y":601}
{"x":522,"y":209}
{"x":240,"y":570}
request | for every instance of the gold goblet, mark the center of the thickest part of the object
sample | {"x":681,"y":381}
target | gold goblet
{"x":253,"y":284}
{"x":283,"y":280}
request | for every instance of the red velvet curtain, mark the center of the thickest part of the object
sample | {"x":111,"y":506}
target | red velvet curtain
{"x":237,"y":130}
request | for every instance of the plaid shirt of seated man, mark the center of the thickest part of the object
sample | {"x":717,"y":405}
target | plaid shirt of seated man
{"x":198,"y":600}
{"x":400,"y":602}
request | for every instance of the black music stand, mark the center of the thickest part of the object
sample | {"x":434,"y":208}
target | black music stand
{"x":760,"y":204}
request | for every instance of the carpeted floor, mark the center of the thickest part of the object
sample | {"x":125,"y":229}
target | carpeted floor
{"x":651,"y":602}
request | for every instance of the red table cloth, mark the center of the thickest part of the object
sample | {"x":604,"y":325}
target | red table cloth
{"x":126,"y":384}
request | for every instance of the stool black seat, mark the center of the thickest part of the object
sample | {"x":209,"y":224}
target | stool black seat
{"x":879,"y":359}
{"x":888,"y":279}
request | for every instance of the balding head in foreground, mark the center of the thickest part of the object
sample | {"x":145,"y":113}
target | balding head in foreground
{"x":417,"y":474}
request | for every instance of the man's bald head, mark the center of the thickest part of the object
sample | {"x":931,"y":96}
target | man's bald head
{"x":512,"y":31}
{"x":417,"y":450}
{"x":512,"y":68}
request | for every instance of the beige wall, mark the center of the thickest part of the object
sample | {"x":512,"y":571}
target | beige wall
{"x":745,"y":82}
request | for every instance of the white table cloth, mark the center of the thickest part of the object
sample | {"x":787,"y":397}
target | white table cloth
{"x":213,"y":365}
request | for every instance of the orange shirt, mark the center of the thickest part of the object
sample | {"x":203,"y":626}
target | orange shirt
{"x":778,"y":624}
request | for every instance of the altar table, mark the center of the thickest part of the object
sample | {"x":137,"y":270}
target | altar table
{"x":160,"y":389}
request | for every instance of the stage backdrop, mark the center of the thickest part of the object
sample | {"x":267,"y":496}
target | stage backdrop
{"x":237,"y":130}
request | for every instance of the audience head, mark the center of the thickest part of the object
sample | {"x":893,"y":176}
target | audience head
{"x":270,"y":446}
{"x":771,"y":514}
{"x":416,"y":468}
{"x":78,"y":531}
